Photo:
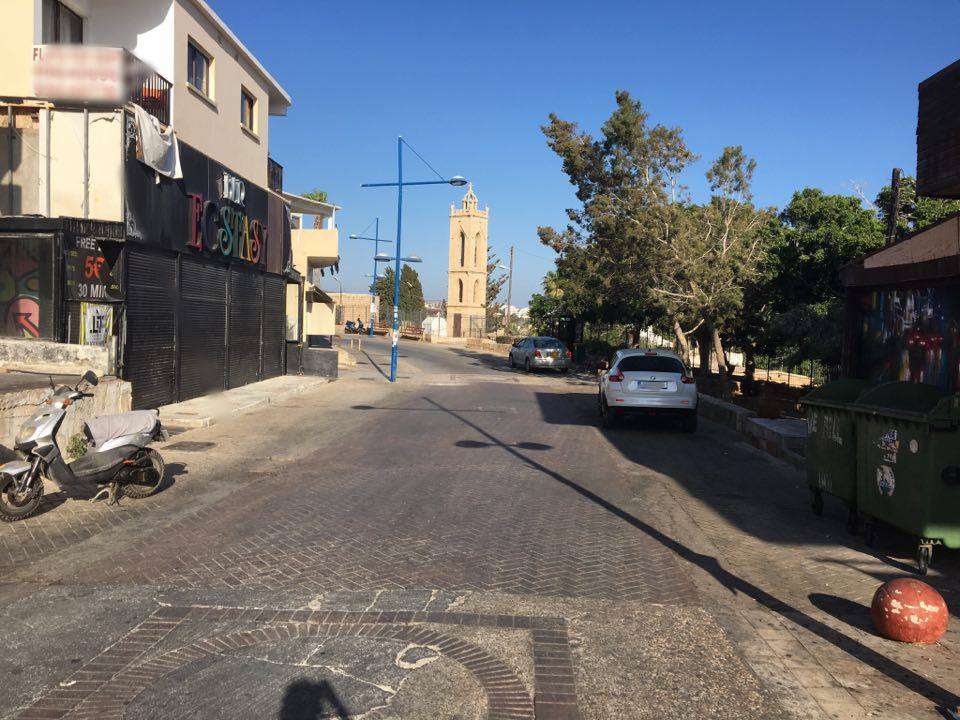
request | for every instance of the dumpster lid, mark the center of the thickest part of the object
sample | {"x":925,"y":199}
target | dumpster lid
{"x":845,"y":390}
{"x":903,"y":396}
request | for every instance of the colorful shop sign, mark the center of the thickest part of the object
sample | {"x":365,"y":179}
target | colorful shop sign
{"x":92,"y":274}
{"x":223,"y":226}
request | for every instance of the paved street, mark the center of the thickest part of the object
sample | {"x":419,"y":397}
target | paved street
{"x":464,"y":544}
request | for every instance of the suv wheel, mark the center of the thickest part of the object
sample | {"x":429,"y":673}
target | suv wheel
{"x":607,"y":417}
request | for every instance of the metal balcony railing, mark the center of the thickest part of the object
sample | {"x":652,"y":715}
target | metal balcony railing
{"x":151,"y":91}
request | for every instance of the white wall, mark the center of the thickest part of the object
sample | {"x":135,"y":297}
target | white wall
{"x":105,"y":136}
{"x":144,"y":27}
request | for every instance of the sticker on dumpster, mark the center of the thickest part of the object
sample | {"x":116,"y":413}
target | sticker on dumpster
{"x":823,"y":481}
{"x":914,"y":446}
{"x":889,"y":446}
{"x":827,"y":426}
{"x":886,"y":480}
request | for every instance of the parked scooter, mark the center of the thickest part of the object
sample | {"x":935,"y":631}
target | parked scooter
{"x":117,"y":463}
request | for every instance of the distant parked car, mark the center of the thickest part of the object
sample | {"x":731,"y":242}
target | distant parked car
{"x":649,"y":382}
{"x":533,"y":353}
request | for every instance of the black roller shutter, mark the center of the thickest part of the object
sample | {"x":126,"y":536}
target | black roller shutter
{"x":203,"y":327}
{"x":151,"y":328}
{"x":245,"y":311}
{"x":274,"y":332}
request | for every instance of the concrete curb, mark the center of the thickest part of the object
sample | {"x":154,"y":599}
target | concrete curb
{"x":724,"y":413}
{"x":206,"y":411}
{"x":784,"y":439}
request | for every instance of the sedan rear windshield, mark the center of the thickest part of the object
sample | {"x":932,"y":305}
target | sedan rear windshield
{"x":650,"y":363}
{"x":551,"y":343}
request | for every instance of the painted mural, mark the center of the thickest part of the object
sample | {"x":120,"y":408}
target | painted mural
{"x":911,"y":335}
{"x":20,"y":302}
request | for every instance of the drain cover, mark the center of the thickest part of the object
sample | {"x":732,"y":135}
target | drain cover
{"x":191,"y":445}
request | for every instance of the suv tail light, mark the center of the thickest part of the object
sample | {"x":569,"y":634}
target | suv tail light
{"x":616,"y":376}
{"x":687,"y":379}
{"x":569,"y":355}
{"x":536,"y":353}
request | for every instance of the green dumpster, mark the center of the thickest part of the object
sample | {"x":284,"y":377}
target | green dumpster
{"x":832,"y":443}
{"x":909,"y":463}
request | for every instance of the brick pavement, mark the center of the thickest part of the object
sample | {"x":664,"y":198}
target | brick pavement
{"x":479,"y":489}
{"x":344,"y":535}
{"x":813,"y":635}
{"x":108,"y":686}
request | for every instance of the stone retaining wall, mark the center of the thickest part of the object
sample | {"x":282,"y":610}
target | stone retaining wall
{"x":110,"y":396}
{"x":783,"y":438}
{"x":56,"y":358}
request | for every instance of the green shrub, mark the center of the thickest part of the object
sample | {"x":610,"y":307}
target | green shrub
{"x":77,"y":447}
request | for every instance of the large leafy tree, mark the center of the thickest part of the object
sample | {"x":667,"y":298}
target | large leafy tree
{"x":916,"y":213}
{"x":638,"y":251}
{"x":703,"y":267}
{"x":817,"y":235}
{"x":626,"y":180}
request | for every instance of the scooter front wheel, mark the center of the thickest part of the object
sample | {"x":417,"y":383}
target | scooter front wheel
{"x":147,"y":478}
{"x":18,"y":505}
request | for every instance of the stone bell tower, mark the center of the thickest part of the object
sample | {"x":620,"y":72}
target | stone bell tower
{"x":467,"y":273}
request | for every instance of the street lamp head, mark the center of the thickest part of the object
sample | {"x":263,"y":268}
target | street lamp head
{"x":458,"y":181}
{"x":412,"y":259}
{"x":382,"y":257}
{"x":353,"y":236}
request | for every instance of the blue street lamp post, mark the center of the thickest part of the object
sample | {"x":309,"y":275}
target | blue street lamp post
{"x":373,"y":284}
{"x":456,"y":180}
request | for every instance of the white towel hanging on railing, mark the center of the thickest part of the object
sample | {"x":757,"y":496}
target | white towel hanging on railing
{"x":156,"y":148}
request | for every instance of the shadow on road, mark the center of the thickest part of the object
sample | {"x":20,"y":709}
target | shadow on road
{"x":385,"y":368}
{"x":519,"y":445}
{"x":745,"y":499}
{"x":846,"y":611}
{"x":735,"y":584}
{"x":309,"y":700}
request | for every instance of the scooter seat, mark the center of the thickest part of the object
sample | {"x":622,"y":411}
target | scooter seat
{"x":110,"y":427}
{"x":101,"y":466}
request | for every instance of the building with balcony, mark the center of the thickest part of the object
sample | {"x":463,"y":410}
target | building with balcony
{"x":137,"y":194}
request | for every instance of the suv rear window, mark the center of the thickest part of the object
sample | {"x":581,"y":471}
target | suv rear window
{"x":650,"y":363}
{"x":548,"y":343}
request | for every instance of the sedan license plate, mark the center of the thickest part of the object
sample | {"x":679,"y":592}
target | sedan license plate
{"x":648,"y":385}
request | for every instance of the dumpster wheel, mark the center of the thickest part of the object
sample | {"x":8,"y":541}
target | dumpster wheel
{"x":924,"y":555}
{"x":853,"y":521}
{"x":816,"y":501}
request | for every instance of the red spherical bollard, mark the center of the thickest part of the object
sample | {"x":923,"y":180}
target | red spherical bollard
{"x":909,"y":611}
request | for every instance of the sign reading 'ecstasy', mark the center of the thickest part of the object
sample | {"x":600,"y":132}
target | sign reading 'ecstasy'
{"x":223,"y":227}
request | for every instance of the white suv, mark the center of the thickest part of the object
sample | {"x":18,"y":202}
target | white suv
{"x":648,"y":382}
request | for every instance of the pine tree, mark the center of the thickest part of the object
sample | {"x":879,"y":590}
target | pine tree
{"x":495,"y":284}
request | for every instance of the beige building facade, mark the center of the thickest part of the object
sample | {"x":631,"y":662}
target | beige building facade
{"x":467,"y":272}
{"x":213,"y":92}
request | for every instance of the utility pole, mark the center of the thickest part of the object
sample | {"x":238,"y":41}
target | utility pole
{"x":506,"y":321}
{"x":893,"y":214}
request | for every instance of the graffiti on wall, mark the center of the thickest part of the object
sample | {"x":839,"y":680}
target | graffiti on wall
{"x":911,"y":335}
{"x":20,"y":290}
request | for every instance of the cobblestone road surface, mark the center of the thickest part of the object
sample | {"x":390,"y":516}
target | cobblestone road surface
{"x":466,"y":544}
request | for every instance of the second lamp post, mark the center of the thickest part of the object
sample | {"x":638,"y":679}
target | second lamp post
{"x":457,"y":181}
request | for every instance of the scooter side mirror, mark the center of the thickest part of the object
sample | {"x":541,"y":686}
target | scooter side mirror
{"x":90,"y":377}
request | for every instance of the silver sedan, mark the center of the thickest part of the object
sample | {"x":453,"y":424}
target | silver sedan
{"x":532,"y":353}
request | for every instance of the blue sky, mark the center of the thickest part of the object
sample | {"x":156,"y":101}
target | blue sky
{"x":821,"y":93}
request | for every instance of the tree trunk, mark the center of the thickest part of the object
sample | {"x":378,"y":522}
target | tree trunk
{"x":749,"y":371}
{"x":682,"y":343}
{"x":703,"y":348}
{"x":722,"y":366}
